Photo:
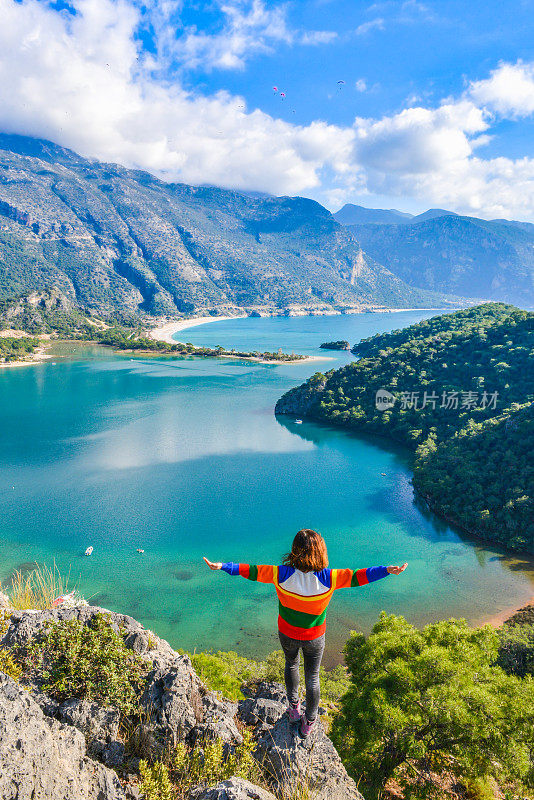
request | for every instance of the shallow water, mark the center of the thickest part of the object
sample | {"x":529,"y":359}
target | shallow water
{"x":184,"y":457}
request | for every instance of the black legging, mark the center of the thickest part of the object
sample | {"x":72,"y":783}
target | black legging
{"x":312,"y":651}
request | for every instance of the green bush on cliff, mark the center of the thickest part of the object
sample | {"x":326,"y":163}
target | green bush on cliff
{"x":433,"y":699}
{"x":201,"y":765}
{"x":86,"y":661}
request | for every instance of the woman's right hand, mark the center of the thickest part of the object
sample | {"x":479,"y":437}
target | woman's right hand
{"x":212,"y":564}
{"x":397,"y":570}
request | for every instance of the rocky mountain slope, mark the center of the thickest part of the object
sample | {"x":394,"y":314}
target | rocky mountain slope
{"x":78,"y":749}
{"x":115,"y":239}
{"x":461,"y":255}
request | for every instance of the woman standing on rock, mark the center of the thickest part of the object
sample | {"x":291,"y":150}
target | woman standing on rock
{"x":304,"y":584}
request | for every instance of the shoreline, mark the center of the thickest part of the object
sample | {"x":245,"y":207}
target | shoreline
{"x":39,"y":356}
{"x":498,"y":620}
{"x":164,"y":332}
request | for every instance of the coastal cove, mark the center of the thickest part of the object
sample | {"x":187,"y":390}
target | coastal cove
{"x":184,"y":457}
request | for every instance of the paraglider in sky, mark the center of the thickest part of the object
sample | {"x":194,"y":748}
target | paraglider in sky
{"x":341,"y":81}
{"x":282,"y":94}
{"x":275,"y":88}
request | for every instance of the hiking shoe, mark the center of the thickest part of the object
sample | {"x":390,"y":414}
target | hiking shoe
{"x":294,"y":712}
{"x":305,"y":727}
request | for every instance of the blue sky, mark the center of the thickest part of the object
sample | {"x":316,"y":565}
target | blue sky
{"x":436,"y":108}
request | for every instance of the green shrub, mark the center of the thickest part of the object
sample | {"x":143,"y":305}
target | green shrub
{"x":9,"y":665}
{"x":227,"y":672}
{"x":155,"y":781}
{"x":432,"y":697}
{"x":206,"y":765}
{"x":76,"y":660}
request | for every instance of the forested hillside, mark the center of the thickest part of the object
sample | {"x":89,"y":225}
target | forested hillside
{"x":493,"y":260}
{"x":112,"y":239}
{"x":455,"y":383}
{"x":483,"y":477}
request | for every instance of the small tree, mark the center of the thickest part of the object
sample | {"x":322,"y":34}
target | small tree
{"x":434,"y":699}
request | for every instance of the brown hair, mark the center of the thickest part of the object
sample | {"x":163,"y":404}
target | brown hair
{"x":308,"y":552}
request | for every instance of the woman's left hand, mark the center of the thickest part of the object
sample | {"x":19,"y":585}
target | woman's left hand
{"x":212,"y":564}
{"x":397,"y":570}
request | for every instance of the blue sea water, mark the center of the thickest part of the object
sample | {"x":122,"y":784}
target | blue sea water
{"x":184,"y":457}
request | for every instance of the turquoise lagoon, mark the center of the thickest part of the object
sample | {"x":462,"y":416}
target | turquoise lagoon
{"x":184,"y":458}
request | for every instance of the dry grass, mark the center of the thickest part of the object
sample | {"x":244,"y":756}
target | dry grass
{"x":36,"y":589}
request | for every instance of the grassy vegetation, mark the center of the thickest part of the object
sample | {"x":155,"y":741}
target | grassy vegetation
{"x":188,"y":767}
{"x":37,"y":588}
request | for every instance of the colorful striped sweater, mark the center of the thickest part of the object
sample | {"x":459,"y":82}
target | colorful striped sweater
{"x":303,"y":597}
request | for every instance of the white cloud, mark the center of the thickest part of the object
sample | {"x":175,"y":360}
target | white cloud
{"x":509,"y":90}
{"x":318,"y":37}
{"x":430,"y":155}
{"x":248,"y":28}
{"x":373,"y":24}
{"x":361,"y":85}
{"x":77,"y":80}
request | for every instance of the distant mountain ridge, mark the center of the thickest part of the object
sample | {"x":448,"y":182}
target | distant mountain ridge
{"x":360,"y":215}
{"x":113,"y":239}
{"x":353,"y":215}
{"x":442,"y":251}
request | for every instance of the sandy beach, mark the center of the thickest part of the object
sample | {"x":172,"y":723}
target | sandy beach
{"x":164,"y":333}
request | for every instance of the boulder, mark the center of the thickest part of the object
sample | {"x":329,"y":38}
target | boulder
{"x":260,"y":713}
{"x":232,"y":789}
{"x":99,"y":724}
{"x":41,"y":758}
{"x":268,"y":690}
{"x":291,"y":762}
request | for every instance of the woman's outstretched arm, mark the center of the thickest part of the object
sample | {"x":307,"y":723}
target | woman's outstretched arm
{"x":346,"y":578}
{"x":263,"y":573}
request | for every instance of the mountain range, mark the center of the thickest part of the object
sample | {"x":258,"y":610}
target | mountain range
{"x":443,"y":251}
{"x":114,"y":239}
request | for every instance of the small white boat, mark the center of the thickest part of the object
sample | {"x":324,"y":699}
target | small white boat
{"x":139,"y":550}
{"x":298,"y":422}
{"x":89,"y":550}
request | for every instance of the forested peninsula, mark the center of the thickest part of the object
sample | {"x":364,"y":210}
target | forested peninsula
{"x":458,"y":389}
{"x":27,"y":322}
